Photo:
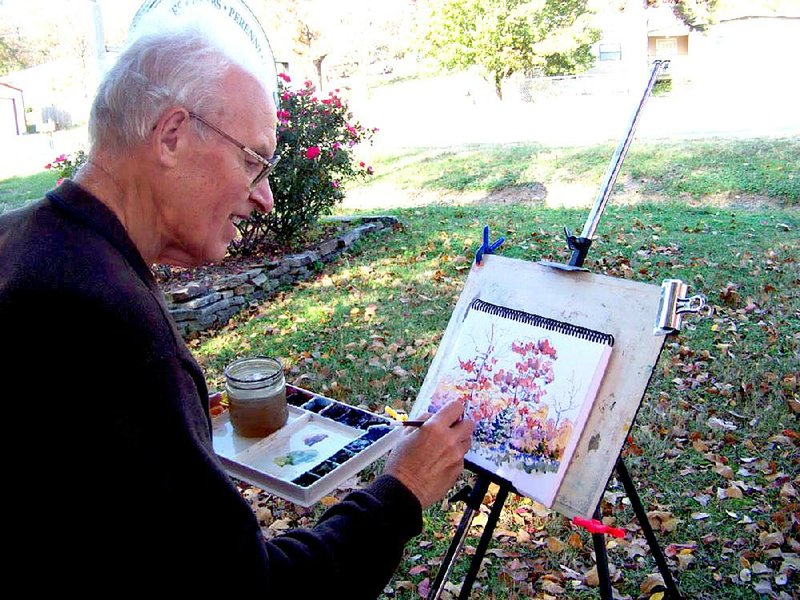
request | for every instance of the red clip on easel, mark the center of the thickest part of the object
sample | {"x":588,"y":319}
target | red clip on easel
{"x":595,"y":526}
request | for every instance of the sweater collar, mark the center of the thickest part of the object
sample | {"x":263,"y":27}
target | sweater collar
{"x":87,"y":209}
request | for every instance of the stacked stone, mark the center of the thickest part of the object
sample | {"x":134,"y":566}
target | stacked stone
{"x":198,"y":306}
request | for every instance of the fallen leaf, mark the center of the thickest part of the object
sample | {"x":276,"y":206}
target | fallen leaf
{"x":591,"y":578}
{"x":788,"y":491}
{"x":662,"y":520}
{"x":404,"y":584}
{"x":280,"y":524}
{"x":651,"y":581}
{"x":760,"y":568}
{"x":717,"y":423}
{"x":575,"y":541}
{"x":763,"y":586}
{"x":724,"y":470}
{"x":552,"y":587}
{"x":555,"y":545}
{"x":400,"y":371}
{"x":685,"y":558}
{"x":424,"y":587}
{"x":733,"y":492}
{"x":767,"y":540}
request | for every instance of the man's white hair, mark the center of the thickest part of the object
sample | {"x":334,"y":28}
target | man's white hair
{"x":173,"y":61}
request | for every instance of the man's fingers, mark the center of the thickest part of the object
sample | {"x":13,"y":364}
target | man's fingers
{"x":450,"y":413}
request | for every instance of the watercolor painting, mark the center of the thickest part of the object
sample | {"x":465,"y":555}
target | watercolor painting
{"x":528,"y":389}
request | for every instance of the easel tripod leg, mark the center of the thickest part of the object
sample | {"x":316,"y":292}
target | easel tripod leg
{"x":473,"y":502}
{"x":601,"y":560}
{"x":649,"y":534}
{"x":483,"y":544}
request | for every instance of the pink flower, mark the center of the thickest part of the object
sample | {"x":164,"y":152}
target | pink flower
{"x":307,"y":83}
{"x":285,"y":77}
{"x":370,"y":171}
{"x":61,"y":158}
{"x":48,"y":166}
{"x":312,"y":152}
{"x":336,"y":145}
{"x":59,"y":181}
{"x":335,"y":183}
{"x":361,"y":164}
{"x":284,"y":115}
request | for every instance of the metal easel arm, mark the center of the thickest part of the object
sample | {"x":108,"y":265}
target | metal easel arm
{"x":580,"y":244}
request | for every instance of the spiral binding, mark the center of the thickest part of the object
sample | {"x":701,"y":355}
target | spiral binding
{"x":544,"y":322}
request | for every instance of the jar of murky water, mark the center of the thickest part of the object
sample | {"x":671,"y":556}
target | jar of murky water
{"x":256,"y":396}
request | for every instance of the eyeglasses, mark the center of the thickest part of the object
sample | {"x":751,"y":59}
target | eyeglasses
{"x":268,"y":164}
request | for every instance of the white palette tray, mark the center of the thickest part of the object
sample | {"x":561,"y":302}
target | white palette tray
{"x":323,"y":443}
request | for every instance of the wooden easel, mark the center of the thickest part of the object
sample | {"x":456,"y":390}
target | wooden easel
{"x":627,"y":310}
{"x":574,"y":295}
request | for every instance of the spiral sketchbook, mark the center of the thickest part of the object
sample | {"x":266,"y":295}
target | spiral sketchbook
{"x":529,"y":383}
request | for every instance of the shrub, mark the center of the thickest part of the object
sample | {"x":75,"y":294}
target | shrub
{"x":316,"y":138}
{"x":65,"y":165}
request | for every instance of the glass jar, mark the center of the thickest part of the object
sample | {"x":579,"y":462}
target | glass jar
{"x":256,"y":392}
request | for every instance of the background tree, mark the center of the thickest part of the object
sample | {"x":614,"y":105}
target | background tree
{"x":335,"y":40}
{"x":697,"y":14}
{"x":503,"y":37}
{"x":9,"y":55}
{"x":23,"y":44}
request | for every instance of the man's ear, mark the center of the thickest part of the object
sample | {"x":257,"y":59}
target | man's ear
{"x":169,"y":135}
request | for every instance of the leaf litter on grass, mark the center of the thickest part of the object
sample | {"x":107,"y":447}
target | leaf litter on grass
{"x":714,"y":449}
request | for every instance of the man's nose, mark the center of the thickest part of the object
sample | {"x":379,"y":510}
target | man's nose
{"x":261,"y":196}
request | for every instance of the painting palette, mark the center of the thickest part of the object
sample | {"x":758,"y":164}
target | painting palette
{"x":323,"y":443}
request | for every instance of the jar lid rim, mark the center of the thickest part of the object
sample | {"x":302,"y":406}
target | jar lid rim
{"x":275,"y":375}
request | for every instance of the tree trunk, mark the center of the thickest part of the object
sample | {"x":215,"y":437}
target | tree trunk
{"x":318,"y":68}
{"x":498,"y":85}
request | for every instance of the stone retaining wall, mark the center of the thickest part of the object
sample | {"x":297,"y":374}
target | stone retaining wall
{"x":198,"y":306}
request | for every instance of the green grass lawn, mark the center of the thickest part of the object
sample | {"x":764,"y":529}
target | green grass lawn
{"x":19,"y":191}
{"x":366,"y":328}
{"x":694,"y":169}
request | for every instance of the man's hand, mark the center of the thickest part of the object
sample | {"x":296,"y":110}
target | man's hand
{"x":429,"y":459}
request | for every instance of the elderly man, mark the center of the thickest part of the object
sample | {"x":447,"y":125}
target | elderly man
{"x":108,"y":439}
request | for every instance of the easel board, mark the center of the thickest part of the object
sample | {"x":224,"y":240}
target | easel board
{"x":622,"y":308}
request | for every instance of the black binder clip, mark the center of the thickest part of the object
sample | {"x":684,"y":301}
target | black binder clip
{"x":487,"y":248}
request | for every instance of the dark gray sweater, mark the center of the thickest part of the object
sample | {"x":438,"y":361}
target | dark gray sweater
{"x":114,"y":484}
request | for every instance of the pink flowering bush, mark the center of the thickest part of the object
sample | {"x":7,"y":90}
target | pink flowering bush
{"x":316,"y":138}
{"x":65,"y":165}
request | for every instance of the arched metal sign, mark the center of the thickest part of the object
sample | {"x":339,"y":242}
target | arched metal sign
{"x":236,"y":11}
